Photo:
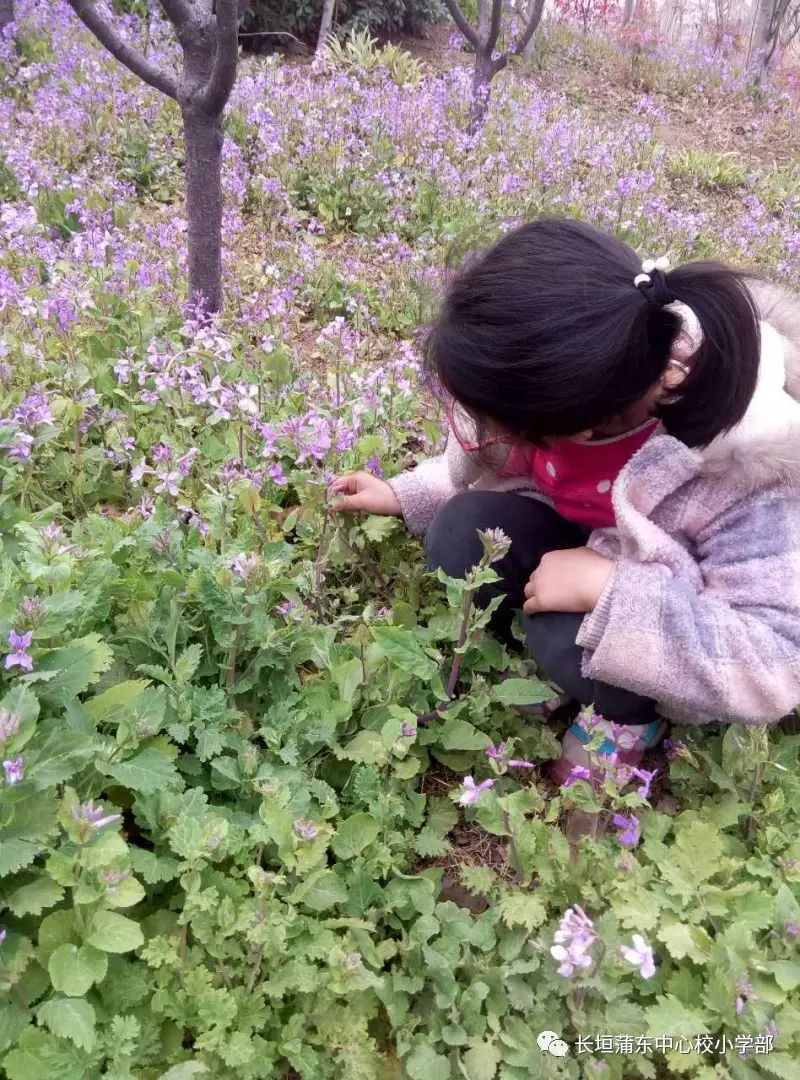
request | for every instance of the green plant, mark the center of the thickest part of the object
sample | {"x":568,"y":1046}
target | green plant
{"x":708,"y":169}
{"x":9,"y":185}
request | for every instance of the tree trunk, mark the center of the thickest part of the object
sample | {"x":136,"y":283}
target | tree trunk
{"x":203,"y":137}
{"x":483,"y":20}
{"x":627,"y":16}
{"x":326,"y":24}
{"x":528,"y":51}
{"x":763,"y":43}
{"x":6,"y":12}
{"x":481,"y":89}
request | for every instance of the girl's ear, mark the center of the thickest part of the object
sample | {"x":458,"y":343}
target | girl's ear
{"x":674,"y":375}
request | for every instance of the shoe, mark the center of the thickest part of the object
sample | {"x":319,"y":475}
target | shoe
{"x":624,"y":745}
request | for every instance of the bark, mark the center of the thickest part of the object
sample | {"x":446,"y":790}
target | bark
{"x":530,"y":44}
{"x":6,"y":12}
{"x":627,"y":16}
{"x":481,"y":90}
{"x":483,"y":19}
{"x":202,"y":133}
{"x":208,"y":36}
{"x":325,"y":25}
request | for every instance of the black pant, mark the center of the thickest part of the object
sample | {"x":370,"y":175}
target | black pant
{"x":452,"y":543}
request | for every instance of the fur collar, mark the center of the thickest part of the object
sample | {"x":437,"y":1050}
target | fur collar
{"x":765,"y":445}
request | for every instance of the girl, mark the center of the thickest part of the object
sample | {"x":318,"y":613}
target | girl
{"x":636,"y":433}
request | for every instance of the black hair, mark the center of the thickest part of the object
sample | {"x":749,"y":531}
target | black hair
{"x":546,"y":335}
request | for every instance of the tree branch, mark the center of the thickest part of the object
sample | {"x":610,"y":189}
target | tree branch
{"x":223,"y":74}
{"x":461,"y":22}
{"x":179,"y":12}
{"x":121,"y":50}
{"x":530,"y":29}
{"x":494,"y":26}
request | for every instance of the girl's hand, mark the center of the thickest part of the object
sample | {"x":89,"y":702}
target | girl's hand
{"x":569,"y":580}
{"x":364,"y":493}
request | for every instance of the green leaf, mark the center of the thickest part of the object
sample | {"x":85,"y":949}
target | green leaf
{"x":321,"y":891}
{"x":424,"y":1063}
{"x":74,"y":970}
{"x":367,"y":748}
{"x":185,"y":1071}
{"x":401,"y":647}
{"x":481,"y":1061}
{"x":683,"y":940}
{"x":76,"y":667}
{"x":126,"y":894}
{"x":70,"y":1018}
{"x":117,"y":697}
{"x":670,"y":1015}
{"x":114,"y":933}
{"x":34,"y":897}
{"x":430,"y":844}
{"x":13,"y":1020}
{"x":786,"y":972}
{"x":780,"y":1064}
{"x":22,"y":841}
{"x":188,"y":663}
{"x":522,"y":692}
{"x":353,"y":835}
{"x":348,"y":677}
{"x":147,"y":771}
{"x":461,"y":735}
{"x":154,"y":868}
{"x":377,"y":527}
{"x":522,"y":909}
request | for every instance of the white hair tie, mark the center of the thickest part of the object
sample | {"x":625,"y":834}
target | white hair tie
{"x":648,"y":266}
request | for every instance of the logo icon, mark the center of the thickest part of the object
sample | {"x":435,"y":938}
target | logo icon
{"x":550,"y":1042}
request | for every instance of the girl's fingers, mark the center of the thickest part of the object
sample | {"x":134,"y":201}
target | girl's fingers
{"x":529,"y":589}
{"x":530,"y":607}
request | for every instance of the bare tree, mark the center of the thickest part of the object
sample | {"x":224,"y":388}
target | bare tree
{"x":777,"y":23}
{"x":6,"y":12}
{"x":207,"y":32}
{"x":326,"y":24}
{"x":484,"y":40}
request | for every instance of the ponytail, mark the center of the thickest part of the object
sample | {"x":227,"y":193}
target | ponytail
{"x":723,"y":371}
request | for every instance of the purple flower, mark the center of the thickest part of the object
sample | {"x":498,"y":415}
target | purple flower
{"x":407,"y":731}
{"x":496,"y":753}
{"x":275,"y":473}
{"x":519,"y":763}
{"x":643,"y":791}
{"x":792,"y":929}
{"x":89,"y":814}
{"x":244,"y":566}
{"x":168,"y":480}
{"x":673,"y":748}
{"x":3,"y":934}
{"x":578,"y":772}
{"x":13,"y":770}
{"x":286,"y":607}
{"x":19,"y":657}
{"x":629,"y":826}
{"x":9,"y":724}
{"x":306,"y":830}
{"x":472,"y":791}
{"x":572,"y":941}
{"x":641,"y":956}
{"x":374,"y":466}
{"x":113,"y":878}
{"x":740,"y":1005}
